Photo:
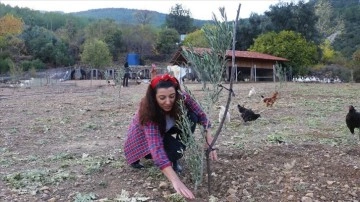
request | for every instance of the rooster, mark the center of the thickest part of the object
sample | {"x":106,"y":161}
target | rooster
{"x":252,"y":91}
{"x":247,"y":114}
{"x":221,"y":114}
{"x":269,"y":101}
{"x":353,"y":119}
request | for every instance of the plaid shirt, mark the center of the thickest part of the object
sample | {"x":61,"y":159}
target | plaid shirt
{"x":146,"y":139}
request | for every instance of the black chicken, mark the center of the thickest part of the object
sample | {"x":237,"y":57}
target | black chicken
{"x":353,"y":119}
{"x":247,"y":114}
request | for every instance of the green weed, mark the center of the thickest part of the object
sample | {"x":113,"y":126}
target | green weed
{"x":35,"y":178}
{"x":91,"y":126}
{"x":154,"y":172}
{"x":276,"y":138}
{"x":84,"y":197}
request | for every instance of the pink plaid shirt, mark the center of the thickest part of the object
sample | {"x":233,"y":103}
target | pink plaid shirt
{"x":146,"y":139}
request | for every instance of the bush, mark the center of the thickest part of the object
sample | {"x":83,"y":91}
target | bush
{"x":332,"y":71}
{"x":4,"y":62}
{"x":37,"y":64}
{"x":4,"y":66}
{"x":357,"y":74}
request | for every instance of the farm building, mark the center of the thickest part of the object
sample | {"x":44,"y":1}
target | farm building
{"x":251,"y":66}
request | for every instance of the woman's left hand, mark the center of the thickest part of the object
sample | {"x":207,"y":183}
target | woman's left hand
{"x":212,"y":154}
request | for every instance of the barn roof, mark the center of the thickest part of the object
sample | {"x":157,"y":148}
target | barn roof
{"x":238,"y":54}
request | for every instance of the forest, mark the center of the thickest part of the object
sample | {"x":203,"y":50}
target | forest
{"x":318,"y":37}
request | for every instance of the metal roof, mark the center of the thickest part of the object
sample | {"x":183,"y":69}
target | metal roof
{"x":238,"y":54}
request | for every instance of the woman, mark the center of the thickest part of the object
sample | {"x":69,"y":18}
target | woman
{"x":150,"y":134}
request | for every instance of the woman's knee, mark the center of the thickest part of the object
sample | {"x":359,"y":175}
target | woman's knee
{"x":173,"y":148}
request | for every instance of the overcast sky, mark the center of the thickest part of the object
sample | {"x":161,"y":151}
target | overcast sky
{"x":199,"y":9}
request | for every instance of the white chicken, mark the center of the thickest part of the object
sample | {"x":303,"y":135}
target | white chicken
{"x":252,"y":92}
{"x":221,"y":114}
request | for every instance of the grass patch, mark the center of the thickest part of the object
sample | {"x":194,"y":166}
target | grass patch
{"x":62,"y":156}
{"x":91,"y":126}
{"x":275,"y":138}
{"x":36,"y":178}
{"x":79,"y":197}
{"x":154,"y":172}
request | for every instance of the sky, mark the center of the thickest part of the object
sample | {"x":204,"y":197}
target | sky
{"x":202,"y":10}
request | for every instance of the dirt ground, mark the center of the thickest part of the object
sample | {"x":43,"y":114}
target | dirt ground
{"x":63,"y":142}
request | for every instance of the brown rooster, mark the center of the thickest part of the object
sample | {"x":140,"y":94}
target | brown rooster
{"x":269,"y":101}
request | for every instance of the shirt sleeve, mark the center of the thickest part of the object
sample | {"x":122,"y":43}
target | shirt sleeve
{"x":195,"y":107}
{"x":156,"y":145}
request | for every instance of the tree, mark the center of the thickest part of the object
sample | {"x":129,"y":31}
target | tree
{"x":140,"y":39}
{"x":356,"y":66}
{"x":347,"y":42}
{"x":211,"y":64}
{"x":143,"y":17}
{"x":327,"y":51}
{"x":299,"y":18}
{"x":10,"y":25}
{"x":196,"y":39}
{"x":179,"y":19}
{"x":328,"y":23}
{"x":96,"y":54}
{"x":115,"y":43}
{"x":251,"y":28}
{"x":290,"y":45}
{"x":167,"y":41}
{"x":44,"y":45}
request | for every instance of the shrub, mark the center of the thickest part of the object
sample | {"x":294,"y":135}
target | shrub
{"x":37,"y":64}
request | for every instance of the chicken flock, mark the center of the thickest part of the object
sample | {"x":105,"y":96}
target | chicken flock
{"x":248,"y":114}
{"x":352,"y":118}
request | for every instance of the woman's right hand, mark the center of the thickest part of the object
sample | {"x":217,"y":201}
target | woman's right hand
{"x":183,"y":190}
{"x":179,"y":187}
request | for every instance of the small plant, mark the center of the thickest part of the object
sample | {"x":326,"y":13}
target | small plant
{"x":275,"y":138}
{"x":13,"y":131}
{"x":15,"y":71}
{"x":117,"y":164}
{"x":281,"y":74}
{"x":91,"y":126}
{"x":84,"y":197}
{"x":125,"y":196}
{"x":175,"y":198}
{"x":5,"y":163}
{"x":194,"y":154}
{"x":33,"y":178}
{"x":154,"y":172}
{"x":62,"y":156}
{"x":94,"y":167}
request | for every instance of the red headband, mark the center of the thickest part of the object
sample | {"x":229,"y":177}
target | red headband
{"x":163,"y":77}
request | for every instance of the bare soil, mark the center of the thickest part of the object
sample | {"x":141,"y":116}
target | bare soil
{"x":63,"y":142}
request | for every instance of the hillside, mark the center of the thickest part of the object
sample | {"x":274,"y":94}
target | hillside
{"x":126,"y":16}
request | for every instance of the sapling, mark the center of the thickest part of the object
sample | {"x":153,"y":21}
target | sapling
{"x":210,"y":65}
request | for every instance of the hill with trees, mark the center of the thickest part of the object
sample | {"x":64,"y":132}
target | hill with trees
{"x":131,"y":16}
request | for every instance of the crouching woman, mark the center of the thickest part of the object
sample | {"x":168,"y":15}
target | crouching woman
{"x":153,"y":133}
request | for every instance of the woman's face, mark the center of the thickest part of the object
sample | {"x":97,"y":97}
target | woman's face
{"x":165,"y":98}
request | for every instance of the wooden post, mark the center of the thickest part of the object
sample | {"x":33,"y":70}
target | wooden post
{"x":255,"y":73}
{"x":153,"y":71}
{"x":236,"y":76}
{"x":274,"y":73}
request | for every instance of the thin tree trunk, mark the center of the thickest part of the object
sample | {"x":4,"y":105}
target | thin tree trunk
{"x":231,"y":93}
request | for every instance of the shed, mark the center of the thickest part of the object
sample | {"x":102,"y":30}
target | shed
{"x":252,"y":66}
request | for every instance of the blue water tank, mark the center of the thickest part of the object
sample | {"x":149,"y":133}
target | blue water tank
{"x":133,"y":59}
